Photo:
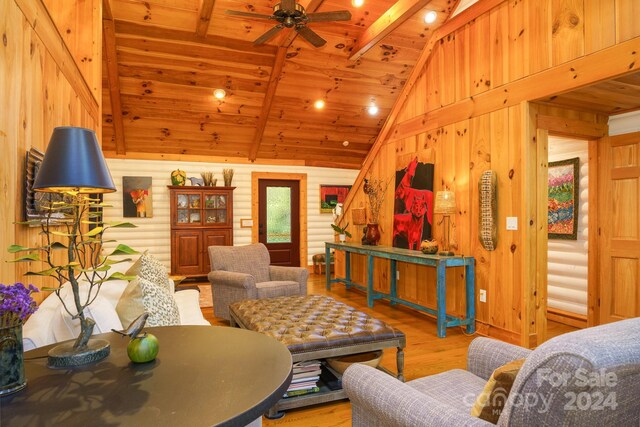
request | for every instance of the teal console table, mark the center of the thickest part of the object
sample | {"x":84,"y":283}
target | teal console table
{"x":441,"y":263}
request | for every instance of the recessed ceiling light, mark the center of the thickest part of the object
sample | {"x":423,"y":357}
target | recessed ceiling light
{"x":430,"y":17}
{"x":345,"y":143}
{"x":319,"y":104}
{"x":373,"y":109}
{"x":219,"y":93}
{"x":357,"y":3}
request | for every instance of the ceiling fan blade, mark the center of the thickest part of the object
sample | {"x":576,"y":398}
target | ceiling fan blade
{"x":336,"y":15}
{"x":310,"y":36}
{"x":268,"y":35}
{"x":288,"y":5}
{"x":247,"y":14}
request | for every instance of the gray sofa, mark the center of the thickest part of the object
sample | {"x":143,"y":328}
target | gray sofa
{"x":589,"y":377}
{"x":243,"y":272}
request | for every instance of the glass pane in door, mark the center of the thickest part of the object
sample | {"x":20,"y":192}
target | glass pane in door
{"x":278,"y":215}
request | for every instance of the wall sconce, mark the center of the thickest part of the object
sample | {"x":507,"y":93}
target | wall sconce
{"x":445,"y":205}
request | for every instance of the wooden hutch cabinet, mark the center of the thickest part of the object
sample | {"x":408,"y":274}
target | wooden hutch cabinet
{"x":200,"y":217}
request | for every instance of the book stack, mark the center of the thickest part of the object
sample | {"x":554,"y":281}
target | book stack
{"x":305,"y":378}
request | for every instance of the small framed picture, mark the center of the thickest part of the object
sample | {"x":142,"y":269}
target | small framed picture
{"x":331,"y":195}
{"x":563,"y":201}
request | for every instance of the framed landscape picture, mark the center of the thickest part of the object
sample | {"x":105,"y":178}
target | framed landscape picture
{"x":331,"y":195}
{"x":563,"y":199}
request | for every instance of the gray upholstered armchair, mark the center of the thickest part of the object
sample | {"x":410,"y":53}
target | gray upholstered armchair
{"x":243,"y":272}
{"x":584,"y":378}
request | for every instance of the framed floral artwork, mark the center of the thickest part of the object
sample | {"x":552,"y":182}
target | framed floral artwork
{"x":563,"y":199}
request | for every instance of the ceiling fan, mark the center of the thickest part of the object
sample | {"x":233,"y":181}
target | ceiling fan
{"x":290,"y":14}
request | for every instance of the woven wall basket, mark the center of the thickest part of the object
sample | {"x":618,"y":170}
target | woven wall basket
{"x":358,"y":216}
{"x":487,"y":221}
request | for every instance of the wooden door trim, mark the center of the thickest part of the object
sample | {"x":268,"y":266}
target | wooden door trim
{"x":302,"y":181}
{"x":585,"y":131}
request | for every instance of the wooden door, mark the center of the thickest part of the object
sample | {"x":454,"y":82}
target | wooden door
{"x":619,"y":230}
{"x":279,"y":220}
{"x":186,"y":257}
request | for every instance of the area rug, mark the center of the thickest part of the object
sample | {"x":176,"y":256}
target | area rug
{"x":205,"y":296}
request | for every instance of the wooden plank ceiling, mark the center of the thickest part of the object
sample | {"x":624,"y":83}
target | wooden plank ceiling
{"x":613,"y":96}
{"x":164,"y":58}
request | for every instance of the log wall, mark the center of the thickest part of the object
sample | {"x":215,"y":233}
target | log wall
{"x":469,"y":111}
{"x":46,"y":80}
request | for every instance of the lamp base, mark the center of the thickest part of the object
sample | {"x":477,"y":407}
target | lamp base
{"x":445,"y":253}
{"x":65,"y":356}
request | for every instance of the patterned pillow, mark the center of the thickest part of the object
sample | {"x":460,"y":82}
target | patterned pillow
{"x":149,"y":268}
{"x":159,"y":303}
{"x":490,"y":403}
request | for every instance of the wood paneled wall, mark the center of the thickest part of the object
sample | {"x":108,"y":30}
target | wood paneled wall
{"x":42,"y":85}
{"x":469,"y":112}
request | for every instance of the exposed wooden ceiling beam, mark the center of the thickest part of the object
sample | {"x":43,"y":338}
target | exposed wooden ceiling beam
{"x":274,"y":79}
{"x":276,"y":70}
{"x":109,"y":37}
{"x":206,"y":8}
{"x":389,"y":21}
{"x":123,"y":27}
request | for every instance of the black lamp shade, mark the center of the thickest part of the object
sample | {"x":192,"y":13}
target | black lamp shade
{"x":74,"y":162}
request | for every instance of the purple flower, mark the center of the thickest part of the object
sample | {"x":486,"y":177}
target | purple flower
{"x":16,"y":303}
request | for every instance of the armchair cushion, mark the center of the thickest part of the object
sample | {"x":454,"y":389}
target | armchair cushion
{"x":277,"y":288}
{"x":291,"y":274}
{"x":379,"y":400}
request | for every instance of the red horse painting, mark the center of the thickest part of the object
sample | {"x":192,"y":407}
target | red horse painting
{"x":414,"y":204}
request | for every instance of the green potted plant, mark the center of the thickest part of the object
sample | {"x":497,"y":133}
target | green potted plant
{"x":341,"y":232}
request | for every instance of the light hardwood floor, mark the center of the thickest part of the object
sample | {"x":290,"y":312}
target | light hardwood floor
{"x":425,"y":353}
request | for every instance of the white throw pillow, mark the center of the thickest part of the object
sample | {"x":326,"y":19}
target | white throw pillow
{"x":100,"y":310}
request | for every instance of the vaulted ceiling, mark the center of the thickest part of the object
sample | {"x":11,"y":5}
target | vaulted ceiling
{"x":164,"y":59}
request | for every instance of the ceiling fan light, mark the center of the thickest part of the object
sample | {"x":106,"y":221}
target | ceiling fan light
{"x":219,"y":93}
{"x":319,"y":104}
{"x":373,"y":109}
{"x":430,"y":17}
{"x":357,"y":3}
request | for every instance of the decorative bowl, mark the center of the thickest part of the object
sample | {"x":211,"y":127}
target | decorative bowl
{"x":429,"y":247}
{"x":340,"y":364}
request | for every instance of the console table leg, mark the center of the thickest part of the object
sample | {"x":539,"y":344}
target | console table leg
{"x":394,"y":283}
{"x":470,"y":281}
{"x":347,"y":268}
{"x":370,"y":281}
{"x":442,"y":298}
{"x":400,"y":363}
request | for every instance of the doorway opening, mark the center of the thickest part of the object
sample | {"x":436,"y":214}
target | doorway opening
{"x":568,"y":234}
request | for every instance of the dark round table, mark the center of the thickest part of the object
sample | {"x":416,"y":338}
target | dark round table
{"x":203,"y":376}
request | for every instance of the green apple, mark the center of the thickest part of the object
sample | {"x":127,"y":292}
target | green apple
{"x":143,"y":348}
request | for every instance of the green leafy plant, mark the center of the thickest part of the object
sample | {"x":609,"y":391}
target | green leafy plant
{"x":76,"y":228}
{"x":341,"y":230}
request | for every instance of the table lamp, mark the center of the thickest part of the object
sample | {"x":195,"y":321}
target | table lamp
{"x":74,"y":164}
{"x":445,"y":205}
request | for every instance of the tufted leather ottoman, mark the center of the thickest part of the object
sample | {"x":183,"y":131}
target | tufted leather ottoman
{"x":317,"y":327}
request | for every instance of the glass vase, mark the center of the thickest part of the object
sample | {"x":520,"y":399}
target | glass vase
{"x":11,"y":360}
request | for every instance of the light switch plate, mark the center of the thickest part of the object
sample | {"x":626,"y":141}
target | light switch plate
{"x":512,"y":223}
{"x":483,"y":295}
